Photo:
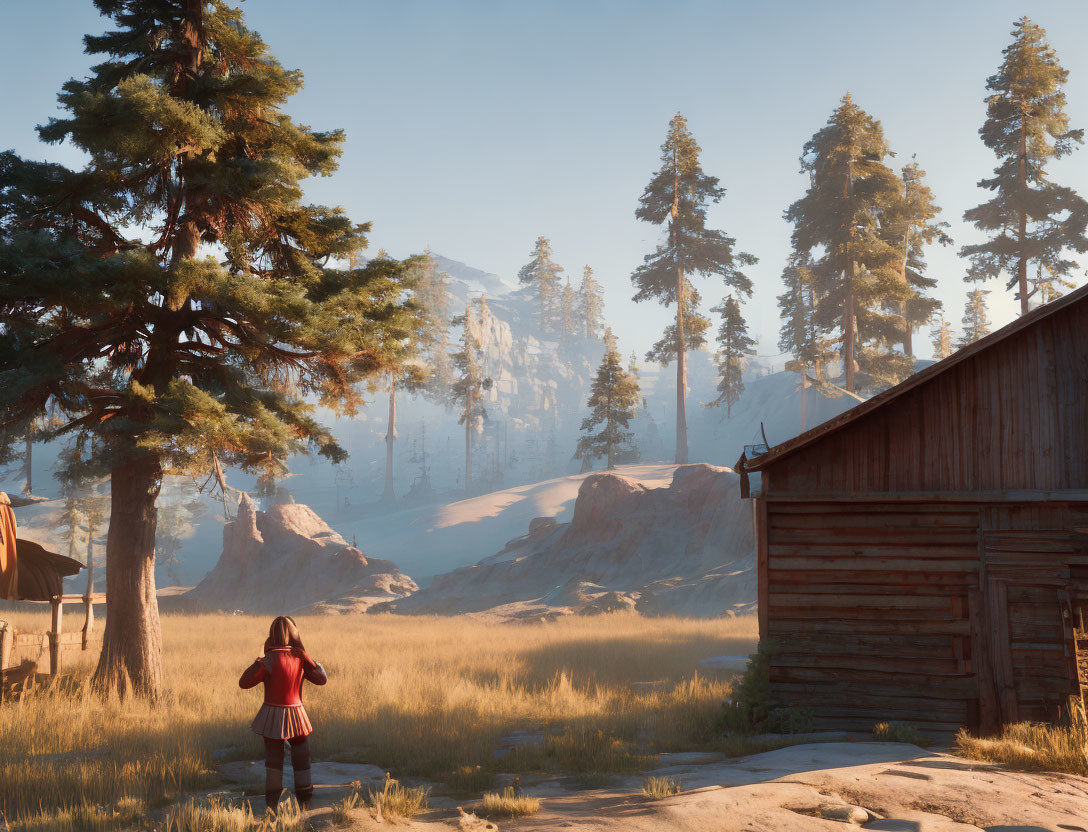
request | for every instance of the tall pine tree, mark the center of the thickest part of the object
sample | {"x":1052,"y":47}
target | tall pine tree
{"x":912,"y":226}
{"x":470,"y":386}
{"x":678,"y":196}
{"x":942,"y":339}
{"x":1030,"y":218}
{"x":976,"y":319}
{"x":733,"y":345}
{"x":568,"y":323}
{"x":613,"y":402}
{"x":591,"y":304}
{"x":542,"y":274}
{"x":173,"y":297}
{"x":844,"y":215}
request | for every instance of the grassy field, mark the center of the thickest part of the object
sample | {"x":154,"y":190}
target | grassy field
{"x":425,"y":697}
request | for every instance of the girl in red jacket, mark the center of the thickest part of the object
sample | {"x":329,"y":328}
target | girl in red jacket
{"x":282,"y":717}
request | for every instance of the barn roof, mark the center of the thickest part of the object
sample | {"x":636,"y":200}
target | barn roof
{"x":779,"y":452}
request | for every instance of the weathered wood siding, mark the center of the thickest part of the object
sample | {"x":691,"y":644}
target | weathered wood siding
{"x":870,"y":606}
{"x":1014,"y":416}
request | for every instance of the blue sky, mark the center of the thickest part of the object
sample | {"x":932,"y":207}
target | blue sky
{"x":474,"y":127}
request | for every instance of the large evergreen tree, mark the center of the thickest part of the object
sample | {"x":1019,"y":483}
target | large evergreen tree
{"x":591,"y":304}
{"x":542,"y":274}
{"x":173,"y":298}
{"x":912,"y":225}
{"x":844,"y":214}
{"x":678,"y":196}
{"x":976,"y":319}
{"x":470,"y":386}
{"x":733,"y":345}
{"x":1030,"y":218}
{"x":613,"y":402}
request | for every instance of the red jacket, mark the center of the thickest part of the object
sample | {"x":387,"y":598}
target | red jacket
{"x":282,"y":670}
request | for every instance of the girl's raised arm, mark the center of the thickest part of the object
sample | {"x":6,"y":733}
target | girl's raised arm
{"x":253,"y":675}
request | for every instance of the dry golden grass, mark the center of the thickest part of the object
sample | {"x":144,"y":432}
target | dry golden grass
{"x":395,"y":800}
{"x":1031,"y":747}
{"x":898,"y":732}
{"x":426,"y":697}
{"x":215,"y":815}
{"x":656,"y":788}
{"x":508,"y":804}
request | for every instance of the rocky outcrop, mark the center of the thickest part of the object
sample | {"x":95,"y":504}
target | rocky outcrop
{"x":287,"y":559}
{"x":682,"y":550}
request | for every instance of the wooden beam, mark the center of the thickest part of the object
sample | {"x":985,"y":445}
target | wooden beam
{"x":6,"y":638}
{"x":759,"y":507}
{"x":54,"y":635}
{"x":1022,"y":495}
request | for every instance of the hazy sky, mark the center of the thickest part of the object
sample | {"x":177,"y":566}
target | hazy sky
{"x":474,"y":127}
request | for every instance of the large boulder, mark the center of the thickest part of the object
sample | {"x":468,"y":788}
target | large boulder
{"x":287,"y":559}
{"x":682,"y":550}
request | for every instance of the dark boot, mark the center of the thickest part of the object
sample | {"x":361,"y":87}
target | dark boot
{"x":300,"y":764}
{"x":272,"y":798}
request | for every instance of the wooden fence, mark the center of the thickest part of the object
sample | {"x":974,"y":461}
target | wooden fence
{"x":55,"y":640}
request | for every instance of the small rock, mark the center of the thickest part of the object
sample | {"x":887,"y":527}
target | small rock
{"x":844,"y":812}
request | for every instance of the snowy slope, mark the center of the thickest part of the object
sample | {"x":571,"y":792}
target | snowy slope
{"x":433,"y":539}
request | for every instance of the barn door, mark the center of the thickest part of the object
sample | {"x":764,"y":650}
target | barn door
{"x":1038,"y":650}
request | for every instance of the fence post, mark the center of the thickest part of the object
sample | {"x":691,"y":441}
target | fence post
{"x":88,"y":599}
{"x":54,"y":636}
{"x":7,"y":636}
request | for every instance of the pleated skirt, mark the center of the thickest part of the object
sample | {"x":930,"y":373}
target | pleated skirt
{"x":282,"y":722}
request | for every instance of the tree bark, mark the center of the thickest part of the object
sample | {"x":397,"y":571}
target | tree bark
{"x":131,"y":659}
{"x":390,"y":438}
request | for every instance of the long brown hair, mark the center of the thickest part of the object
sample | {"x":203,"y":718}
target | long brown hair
{"x":284,"y":633}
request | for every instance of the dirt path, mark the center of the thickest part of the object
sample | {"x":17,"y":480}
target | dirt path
{"x":879,"y":786}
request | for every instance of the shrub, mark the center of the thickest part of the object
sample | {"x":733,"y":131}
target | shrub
{"x":509,"y":804}
{"x":656,"y":788}
{"x":752,"y":709}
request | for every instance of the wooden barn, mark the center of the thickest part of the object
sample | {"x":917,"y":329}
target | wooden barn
{"x":923,"y":557}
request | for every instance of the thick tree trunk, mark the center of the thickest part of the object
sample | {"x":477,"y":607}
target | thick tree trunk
{"x":681,"y":376}
{"x":131,"y":657}
{"x":390,"y":438}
